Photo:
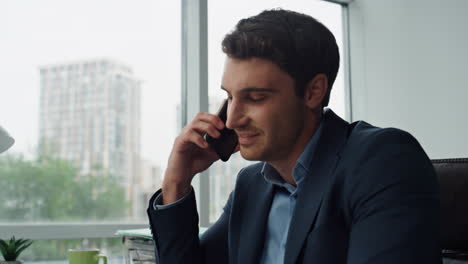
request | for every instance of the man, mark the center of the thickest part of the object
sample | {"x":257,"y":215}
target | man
{"x":324,"y":191}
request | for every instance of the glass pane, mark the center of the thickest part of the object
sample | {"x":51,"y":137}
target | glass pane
{"x":89,"y":92}
{"x":221,"y":19}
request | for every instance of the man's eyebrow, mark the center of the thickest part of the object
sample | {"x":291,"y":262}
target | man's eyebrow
{"x":254,"y":89}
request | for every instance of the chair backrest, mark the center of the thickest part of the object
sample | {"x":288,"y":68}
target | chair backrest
{"x":453,"y":181}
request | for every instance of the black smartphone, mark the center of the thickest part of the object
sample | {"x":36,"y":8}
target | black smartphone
{"x":225,"y":145}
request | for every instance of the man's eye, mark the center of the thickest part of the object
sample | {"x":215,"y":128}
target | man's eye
{"x":257,"y":98}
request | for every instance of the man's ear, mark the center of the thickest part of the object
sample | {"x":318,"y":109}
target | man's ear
{"x":315,"y":91}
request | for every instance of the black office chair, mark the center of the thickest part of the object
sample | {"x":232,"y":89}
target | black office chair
{"x":453,"y":181}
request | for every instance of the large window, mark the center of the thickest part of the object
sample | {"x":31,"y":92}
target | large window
{"x":221,"y":20}
{"x":90,"y":90}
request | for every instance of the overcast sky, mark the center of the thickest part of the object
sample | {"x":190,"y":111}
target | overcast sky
{"x":145,"y":34}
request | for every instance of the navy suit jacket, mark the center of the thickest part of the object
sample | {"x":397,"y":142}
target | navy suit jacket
{"x":371,"y":197}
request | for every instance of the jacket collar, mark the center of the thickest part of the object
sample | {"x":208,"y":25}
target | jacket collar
{"x":321,"y":169}
{"x":248,"y":232}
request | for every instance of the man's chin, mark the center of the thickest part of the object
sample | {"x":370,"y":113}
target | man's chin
{"x":251,"y":154}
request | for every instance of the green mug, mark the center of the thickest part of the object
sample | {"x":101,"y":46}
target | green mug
{"x":85,"y":256}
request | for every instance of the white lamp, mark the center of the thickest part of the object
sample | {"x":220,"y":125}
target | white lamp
{"x":6,"y":141}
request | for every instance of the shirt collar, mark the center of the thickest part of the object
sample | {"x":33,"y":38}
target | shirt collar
{"x":272,"y":176}
{"x":305,"y":159}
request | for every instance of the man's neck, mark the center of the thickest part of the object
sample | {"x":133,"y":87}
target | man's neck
{"x":286,"y":166}
{"x":285,"y":170}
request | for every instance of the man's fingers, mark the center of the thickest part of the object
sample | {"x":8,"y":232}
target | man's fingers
{"x":202,"y":124}
{"x":197,"y":139}
{"x":205,"y":128}
{"x":212,"y":119}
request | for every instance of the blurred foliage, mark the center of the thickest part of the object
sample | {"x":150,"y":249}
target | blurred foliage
{"x":50,"y":189}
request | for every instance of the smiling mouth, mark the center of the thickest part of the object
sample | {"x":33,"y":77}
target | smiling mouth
{"x":247,"y":139}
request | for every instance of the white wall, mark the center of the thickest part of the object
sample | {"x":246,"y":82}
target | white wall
{"x":409,"y":69}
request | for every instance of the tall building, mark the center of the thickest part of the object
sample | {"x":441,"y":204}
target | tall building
{"x":90,"y":114}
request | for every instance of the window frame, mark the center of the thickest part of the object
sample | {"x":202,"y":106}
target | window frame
{"x":64,"y":230}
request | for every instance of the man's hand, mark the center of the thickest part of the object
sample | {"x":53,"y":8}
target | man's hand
{"x":190,"y":155}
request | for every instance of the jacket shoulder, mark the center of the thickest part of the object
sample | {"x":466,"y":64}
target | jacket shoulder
{"x":376,"y":156}
{"x":384,"y":156}
{"x":368,"y":138}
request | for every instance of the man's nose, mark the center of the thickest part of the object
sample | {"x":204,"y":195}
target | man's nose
{"x":235,"y":115}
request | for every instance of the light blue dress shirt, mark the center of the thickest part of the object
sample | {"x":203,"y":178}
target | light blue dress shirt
{"x":284,"y":202}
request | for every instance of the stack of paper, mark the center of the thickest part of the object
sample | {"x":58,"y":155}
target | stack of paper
{"x":139,"y":245}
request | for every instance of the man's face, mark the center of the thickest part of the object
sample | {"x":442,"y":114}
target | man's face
{"x":263,"y":109}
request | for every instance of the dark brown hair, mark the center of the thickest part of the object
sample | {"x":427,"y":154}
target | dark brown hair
{"x":297,"y":43}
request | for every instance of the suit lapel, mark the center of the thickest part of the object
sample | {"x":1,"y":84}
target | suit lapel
{"x":308,"y":202}
{"x":254,"y":221}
